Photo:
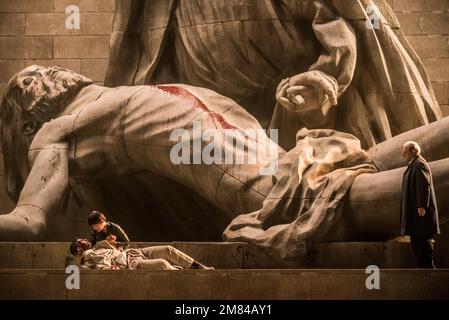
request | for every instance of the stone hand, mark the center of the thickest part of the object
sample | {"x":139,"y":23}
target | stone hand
{"x":307,"y":91}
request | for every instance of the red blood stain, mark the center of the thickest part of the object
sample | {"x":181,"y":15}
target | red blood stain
{"x":197,"y":103}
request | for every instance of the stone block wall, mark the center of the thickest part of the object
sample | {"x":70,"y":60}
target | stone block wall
{"x":426,"y":25}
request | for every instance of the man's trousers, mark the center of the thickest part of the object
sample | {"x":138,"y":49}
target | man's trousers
{"x":161,"y":258}
{"x":424,"y":251}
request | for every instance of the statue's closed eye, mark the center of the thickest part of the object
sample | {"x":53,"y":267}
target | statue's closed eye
{"x":27,"y":81}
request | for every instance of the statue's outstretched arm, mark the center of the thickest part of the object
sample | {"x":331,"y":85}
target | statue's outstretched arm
{"x":45,"y":185}
{"x":432,"y":138}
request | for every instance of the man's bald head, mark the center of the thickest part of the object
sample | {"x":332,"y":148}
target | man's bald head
{"x":410,"y":150}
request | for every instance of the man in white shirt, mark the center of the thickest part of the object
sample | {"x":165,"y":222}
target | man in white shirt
{"x":105,"y":255}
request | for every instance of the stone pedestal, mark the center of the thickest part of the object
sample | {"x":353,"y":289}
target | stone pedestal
{"x":225,"y":284}
{"x":238,"y":255}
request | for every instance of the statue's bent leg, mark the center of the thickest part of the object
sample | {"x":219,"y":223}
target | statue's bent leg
{"x":373,"y":208}
{"x":433,"y":139}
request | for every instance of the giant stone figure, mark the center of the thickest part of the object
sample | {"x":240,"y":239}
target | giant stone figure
{"x":344,"y":94}
{"x":62,"y":133}
{"x":343,"y":71}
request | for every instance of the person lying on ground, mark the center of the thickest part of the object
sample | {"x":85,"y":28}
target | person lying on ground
{"x":104,"y":255}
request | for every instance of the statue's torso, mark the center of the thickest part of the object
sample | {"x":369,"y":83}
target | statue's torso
{"x":111,"y":135}
{"x":241,"y":50}
{"x":129,"y":130}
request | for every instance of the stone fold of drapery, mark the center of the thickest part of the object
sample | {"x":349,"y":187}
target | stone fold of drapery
{"x":388,"y":81}
{"x":306,"y":202}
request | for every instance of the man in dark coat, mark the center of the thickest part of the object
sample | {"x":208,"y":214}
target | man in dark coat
{"x":419,"y":217}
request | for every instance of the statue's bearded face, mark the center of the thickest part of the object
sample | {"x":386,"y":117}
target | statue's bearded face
{"x":42,"y":93}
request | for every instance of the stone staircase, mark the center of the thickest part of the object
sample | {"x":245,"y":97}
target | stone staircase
{"x":267,"y":284}
{"x":325,"y":271}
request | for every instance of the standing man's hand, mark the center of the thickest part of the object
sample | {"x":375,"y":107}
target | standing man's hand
{"x":421,"y":212}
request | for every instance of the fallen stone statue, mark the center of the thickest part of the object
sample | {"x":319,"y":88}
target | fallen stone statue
{"x":61,"y":133}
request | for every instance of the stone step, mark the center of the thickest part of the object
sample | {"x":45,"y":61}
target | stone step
{"x":237,"y":255}
{"x":225,"y":284}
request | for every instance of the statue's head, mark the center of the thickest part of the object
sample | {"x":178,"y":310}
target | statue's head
{"x":32,"y":97}
{"x":38,"y":94}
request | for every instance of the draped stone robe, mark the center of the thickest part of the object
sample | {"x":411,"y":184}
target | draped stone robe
{"x":243,"y":49}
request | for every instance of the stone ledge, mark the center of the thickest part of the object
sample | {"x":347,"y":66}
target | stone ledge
{"x":225,"y":284}
{"x":226,"y":255}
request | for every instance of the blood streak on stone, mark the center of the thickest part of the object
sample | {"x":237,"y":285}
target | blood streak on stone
{"x":197,"y":103}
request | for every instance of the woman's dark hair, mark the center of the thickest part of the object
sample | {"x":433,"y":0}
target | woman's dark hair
{"x":95,"y":217}
{"x":74,"y":247}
